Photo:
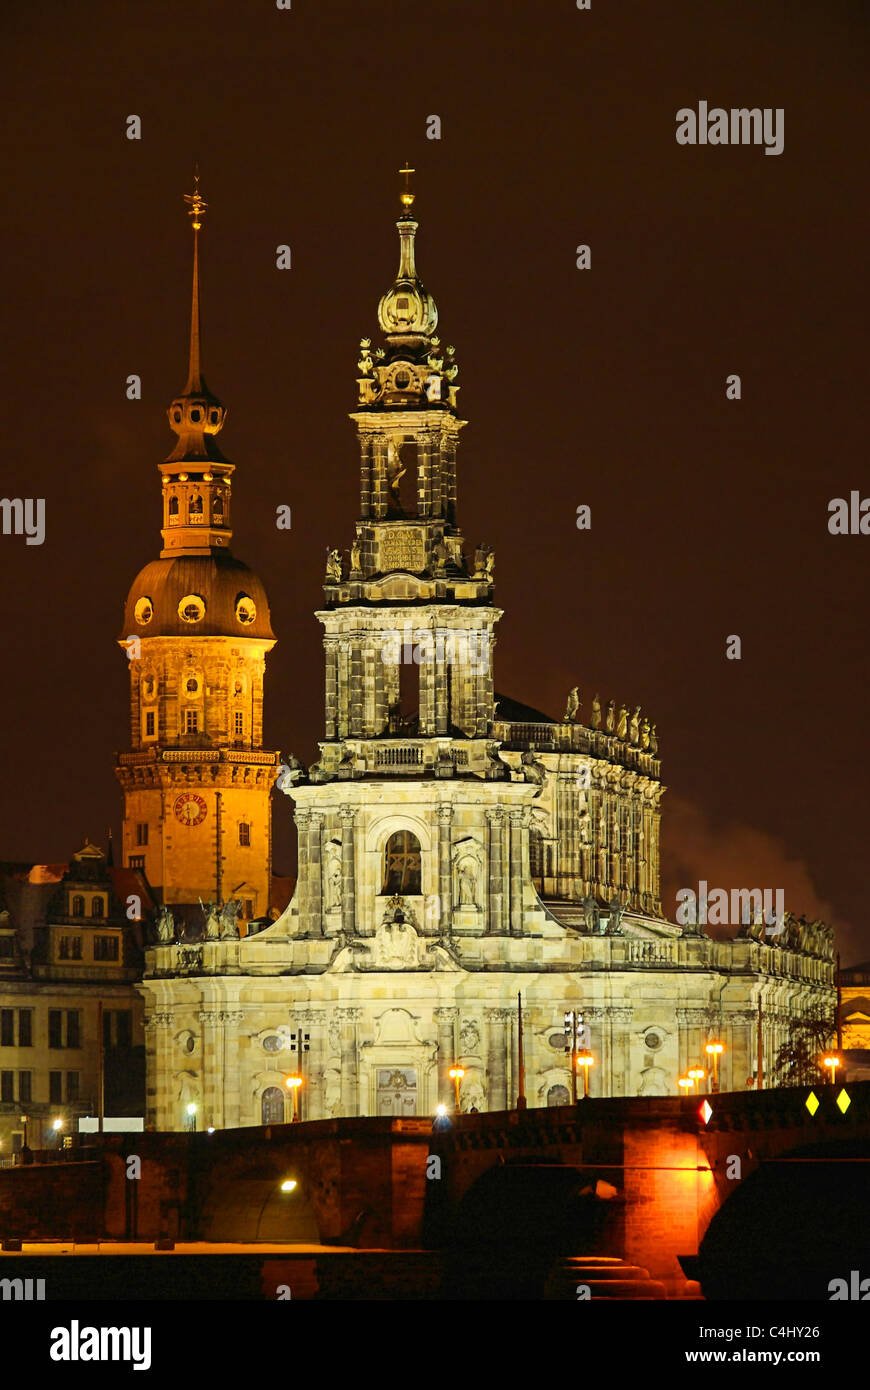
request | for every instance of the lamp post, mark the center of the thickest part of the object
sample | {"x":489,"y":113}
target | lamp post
{"x":191,"y":1117}
{"x":715,"y":1050}
{"x":686,"y":1084}
{"x":585,"y":1060}
{"x":293,"y":1083}
{"x":24,"y":1122}
{"x":456,"y":1074}
{"x":574,"y":1027}
{"x":832,"y":1061}
{"x":57,"y":1126}
{"x":696,"y":1074}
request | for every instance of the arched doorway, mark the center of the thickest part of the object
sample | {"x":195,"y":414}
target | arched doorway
{"x":272,"y":1106}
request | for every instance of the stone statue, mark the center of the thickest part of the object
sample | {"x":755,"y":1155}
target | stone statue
{"x":212,"y":920}
{"x":644,"y":733}
{"x":481,"y":556}
{"x":596,"y":712}
{"x":467,"y":884}
{"x":609,"y":722}
{"x":634,"y":727}
{"x":290,"y":772}
{"x":355,"y":553}
{"x":365,"y":363}
{"x":165,"y":926}
{"x":396,"y":471}
{"x":441,"y":556}
{"x":572,"y":706}
{"x":333,"y":566}
{"x":653,"y":741}
{"x":230,"y":919}
{"x":622,"y":723}
{"x":590,"y":913}
{"x":333,"y":883}
{"x":533,"y":771}
{"x":617,"y":912}
{"x":489,"y":563}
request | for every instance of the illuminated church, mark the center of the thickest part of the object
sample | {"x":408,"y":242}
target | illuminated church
{"x":457,"y":850}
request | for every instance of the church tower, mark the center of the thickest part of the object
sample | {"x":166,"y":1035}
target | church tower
{"x":197,"y":782}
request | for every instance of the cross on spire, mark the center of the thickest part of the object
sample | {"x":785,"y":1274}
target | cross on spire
{"x":406,"y":197}
{"x":197,"y":203}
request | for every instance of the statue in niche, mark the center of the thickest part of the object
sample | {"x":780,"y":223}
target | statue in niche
{"x":333,"y":566}
{"x":572,"y":706}
{"x":644,"y":733}
{"x":533,"y":771}
{"x":622,"y":723}
{"x":396,"y":471}
{"x":634,"y":727}
{"x":454,"y":549}
{"x":596,"y":712}
{"x":469,"y":1038}
{"x":165,"y":926}
{"x":355,"y":554}
{"x":230,"y":919}
{"x":333,"y":882}
{"x":467,"y":883}
{"x":441,"y":557}
{"x":609,"y":722}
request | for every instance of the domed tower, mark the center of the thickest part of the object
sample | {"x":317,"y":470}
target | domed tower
{"x":197,"y":782}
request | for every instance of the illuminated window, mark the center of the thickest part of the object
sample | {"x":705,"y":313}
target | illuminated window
{"x":402,"y":863}
{"x":137,"y":861}
{"x":239,"y":723}
{"x":191,"y":721}
{"x":150,"y":723}
{"x":272,"y":1106}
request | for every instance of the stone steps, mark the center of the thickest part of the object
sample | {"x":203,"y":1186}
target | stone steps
{"x":604,"y":1276}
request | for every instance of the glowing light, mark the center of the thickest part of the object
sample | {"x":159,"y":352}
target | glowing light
{"x":706,"y":1111}
{"x":441,"y":1109}
{"x":288,"y":1185}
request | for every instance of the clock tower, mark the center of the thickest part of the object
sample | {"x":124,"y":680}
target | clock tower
{"x":197,"y":781}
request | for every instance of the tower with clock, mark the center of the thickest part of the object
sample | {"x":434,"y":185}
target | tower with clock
{"x":197,"y":780}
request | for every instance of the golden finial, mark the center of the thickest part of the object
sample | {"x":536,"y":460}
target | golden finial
{"x":197,"y":203}
{"x":406,"y":197}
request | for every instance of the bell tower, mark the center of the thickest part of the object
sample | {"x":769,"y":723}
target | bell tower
{"x":197,"y":780}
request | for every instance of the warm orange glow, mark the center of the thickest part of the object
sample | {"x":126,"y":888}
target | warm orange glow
{"x":456,"y":1073}
{"x":293,"y":1081}
{"x":714,"y":1048}
{"x":832,"y":1062}
{"x":685,"y":1082}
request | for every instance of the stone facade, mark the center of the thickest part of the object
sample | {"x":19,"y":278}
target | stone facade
{"x":456,"y":850}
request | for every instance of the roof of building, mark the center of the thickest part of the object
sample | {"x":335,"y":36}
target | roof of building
{"x":219,"y":579}
{"x":517,"y":713}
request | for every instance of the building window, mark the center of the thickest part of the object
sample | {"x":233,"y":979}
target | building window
{"x":25,"y":1027}
{"x":73,"y":1028}
{"x":244,"y":833}
{"x":7,"y":1086}
{"x":55,"y":1087}
{"x":69,"y":948}
{"x":249,"y":909}
{"x":191,"y":721}
{"x":558,"y":1095}
{"x":25,"y":1086}
{"x":55,"y":1028}
{"x":72,"y":1085}
{"x":402,"y":864}
{"x":142,"y":833}
{"x":218,"y":509}
{"x":78,"y":906}
{"x":106,"y":947}
{"x":272,"y":1106}
{"x":239,"y":723}
{"x":173,"y":508}
{"x":7,"y":1028}
{"x":196,"y":510}
{"x":150,"y":723}
{"x":536,"y":859}
{"x":137,"y":861}
{"x":97,"y":907}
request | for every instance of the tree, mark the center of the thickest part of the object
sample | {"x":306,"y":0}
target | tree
{"x":798,"y":1060}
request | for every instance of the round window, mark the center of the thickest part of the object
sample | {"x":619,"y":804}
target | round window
{"x":192,"y":686}
{"x":144,"y":610}
{"x":189,"y":1044}
{"x":191,"y":608}
{"x":273,"y":1043}
{"x":653,"y":1041}
{"x":195,"y":416}
{"x":558,"y":1042}
{"x":246,"y":610}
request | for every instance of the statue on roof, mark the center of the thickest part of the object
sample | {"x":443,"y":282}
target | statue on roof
{"x":572,"y":706}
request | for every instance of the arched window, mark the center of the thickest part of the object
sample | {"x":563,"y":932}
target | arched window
{"x":194,"y":510}
{"x":218,"y":509}
{"x":536,"y":858}
{"x":173,"y":506}
{"x":402,"y":864}
{"x":272,"y":1106}
{"x":96,"y":907}
{"x":78,"y":906}
{"x":558,"y":1095}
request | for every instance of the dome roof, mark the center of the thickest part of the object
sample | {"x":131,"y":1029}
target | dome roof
{"x":219,"y":596}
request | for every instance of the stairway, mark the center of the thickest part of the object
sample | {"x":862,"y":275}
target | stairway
{"x":604,"y":1275}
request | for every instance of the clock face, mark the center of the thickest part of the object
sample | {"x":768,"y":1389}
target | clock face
{"x":190,"y":809}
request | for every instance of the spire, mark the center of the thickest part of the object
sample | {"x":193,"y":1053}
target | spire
{"x":196,"y":415}
{"x":195,"y":382}
{"x":407,"y":310}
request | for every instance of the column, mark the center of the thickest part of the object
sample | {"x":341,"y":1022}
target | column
{"x":230,"y":1116}
{"x":303,"y":823}
{"x":356,"y":692}
{"x":379,"y":479}
{"x":445,"y":869}
{"x":349,"y":1061}
{"x":495,"y":925}
{"x":365,"y":475}
{"x":439,"y":673}
{"x":600,"y":1076}
{"x":516,"y":872}
{"x":445,"y":1022}
{"x":158,"y":1071}
{"x":315,"y":1022}
{"x":330,"y":649}
{"x":348,"y":871}
{"x":620,"y":1050}
{"x":496,"y":1058}
{"x":314,"y":874}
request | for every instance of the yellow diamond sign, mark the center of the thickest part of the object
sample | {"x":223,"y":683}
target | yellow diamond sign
{"x":812,"y":1102}
{"x":844,"y":1100}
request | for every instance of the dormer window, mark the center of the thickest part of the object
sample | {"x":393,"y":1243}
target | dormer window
{"x":97,"y":907}
{"x":78,"y":906}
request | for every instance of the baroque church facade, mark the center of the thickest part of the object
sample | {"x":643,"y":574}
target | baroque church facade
{"x":457,"y":851}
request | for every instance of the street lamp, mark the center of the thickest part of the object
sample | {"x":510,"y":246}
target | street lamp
{"x":288,"y":1185}
{"x":456,"y":1074}
{"x":585,"y":1060}
{"x":24,"y":1122}
{"x":293,"y":1083}
{"x":832,"y":1061}
{"x":57,"y":1126}
{"x":686,"y":1083}
{"x":715,"y":1050}
{"x":696,"y":1074}
{"x":191,"y":1117}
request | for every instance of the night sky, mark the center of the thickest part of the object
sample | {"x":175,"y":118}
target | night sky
{"x":606,"y":387}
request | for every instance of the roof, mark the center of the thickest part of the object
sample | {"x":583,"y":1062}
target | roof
{"x":219,"y":579}
{"x":515,"y":712}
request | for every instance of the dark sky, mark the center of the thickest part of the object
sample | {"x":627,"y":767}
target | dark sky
{"x":605,"y":387}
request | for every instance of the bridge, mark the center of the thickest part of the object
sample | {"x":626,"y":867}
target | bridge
{"x":638,"y":1179}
